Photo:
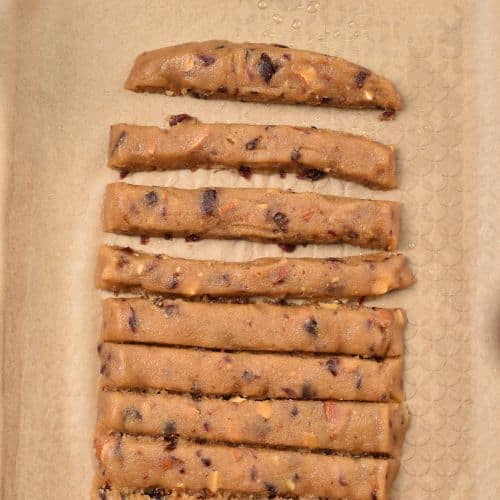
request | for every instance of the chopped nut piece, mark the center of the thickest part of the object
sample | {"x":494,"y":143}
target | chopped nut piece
{"x":237,"y":399}
{"x":213,"y":480}
{"x":265,"y":409}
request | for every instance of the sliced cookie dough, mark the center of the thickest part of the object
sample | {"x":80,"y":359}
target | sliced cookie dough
{"x":103,"y":491}
{"x":334,"y":425}
{"x":260,"y":73}
{"x":155,"y":493}
{"x":269,"y":215}
{"x":358,"y":276}
{"x":327,"y":328}
{"x":256,"y":375}
{"x":311,"y":153}
{"x":143,"y":462}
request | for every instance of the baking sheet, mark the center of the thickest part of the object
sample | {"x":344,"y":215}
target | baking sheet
{"x":62,"y":72}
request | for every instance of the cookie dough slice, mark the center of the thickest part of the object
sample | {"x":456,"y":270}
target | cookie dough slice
{"x":311,"y":153}
{"x":358,"y":276}
{"x":154,"y":493}
{"x":103,"y":491}
{"x":341,"y":426}
{"x":142,"y":462}
{"x":269,"y":215}
{"x":255,"y":375}
{"x":327,"y":328}
{"x":260,"y":73}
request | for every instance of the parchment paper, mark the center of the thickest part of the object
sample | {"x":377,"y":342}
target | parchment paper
{"x":62,"y":73}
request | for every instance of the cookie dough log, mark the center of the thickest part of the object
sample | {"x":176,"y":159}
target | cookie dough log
{"x":359,"y":276}
{"x":143,"y":462}
{"x":327,"y":328}
{"x":131,"y":366}
{"x":341,"y":426}
{"x":312,"y":153}
{"x":269,"y":215}
{"x":260,"y":73}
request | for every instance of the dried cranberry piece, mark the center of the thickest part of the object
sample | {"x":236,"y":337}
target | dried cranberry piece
{"x":311,"y":326}
{"x":252,"y":144}
{"x":266,"y":68}
{"x":272,"y":491}
{"x":206,"y":59}
{"x":245,"y":171}
{"x":333,"y":366}
{"x":208,"y":201}
{"x":132,"y":320}
{"x":360,"y":78}
{"x":151,"y":198}
{"x":176,"y":119}
{"x":281,"y":220}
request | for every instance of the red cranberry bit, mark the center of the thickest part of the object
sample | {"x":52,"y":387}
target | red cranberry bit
{"x":387,"y":115}
{"x":287,"y":247}
{"x":151,"y":198}
{"x":333,"y":366}
{"x":208,"y":201}
{"x":360,"y":78}
{"x":176,"y":119}
{"x":266,"y":68}
{"x":252,"y":144}
{"x":281,"y":220}
{"x":206,"y":60}
{"x":311,"y":326}
{"x":272,"y":491}
{"x":132,"y":320}
{"x":245,"y":171}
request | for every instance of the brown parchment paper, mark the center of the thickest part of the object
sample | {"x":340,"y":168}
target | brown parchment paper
{"x":63,"y":64}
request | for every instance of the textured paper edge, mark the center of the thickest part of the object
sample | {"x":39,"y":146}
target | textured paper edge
{"x":7,"y":92}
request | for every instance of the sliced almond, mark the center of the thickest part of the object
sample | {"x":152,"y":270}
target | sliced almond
{"x":400,"y":317}
{"x":380,"y":289}
{"x":382,"y":318}
{"x":310,"y":440}
{"x":264,"y":409}
{"x":329,"y":305}
{"x":309,"y":74}
{"x":213,"y":480}
{"x":237,"y":399}
{"x":188,"y":64}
